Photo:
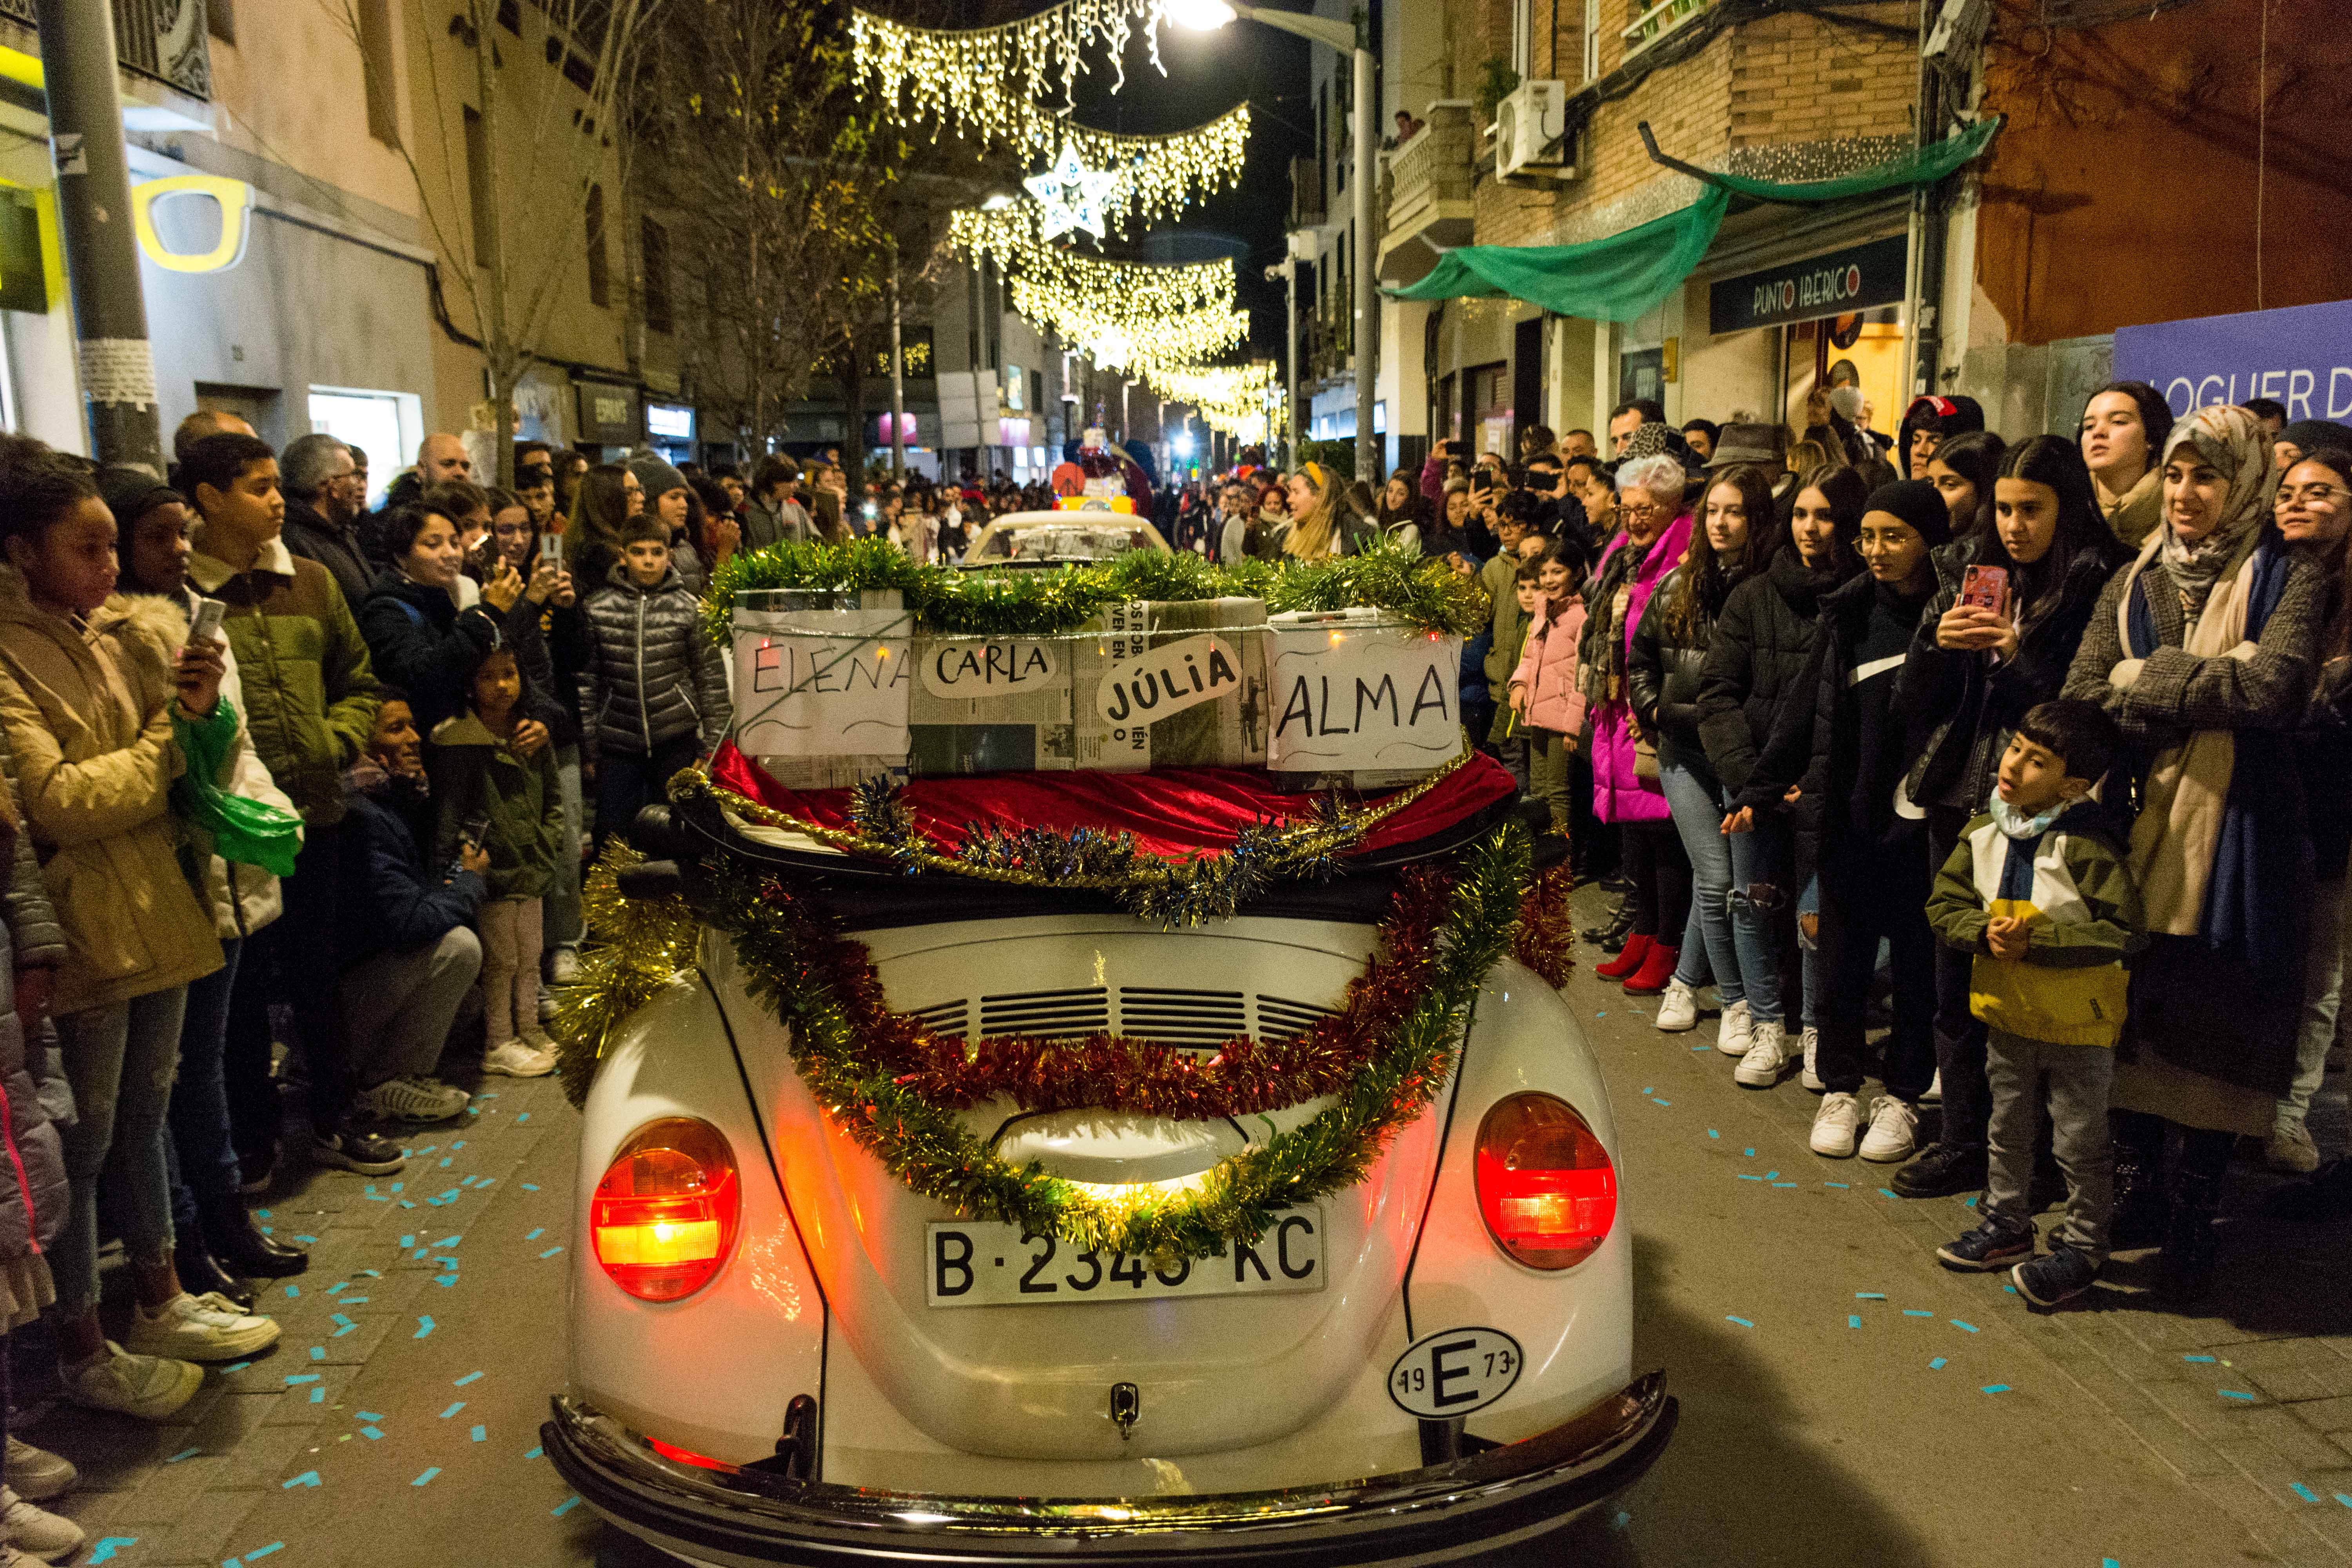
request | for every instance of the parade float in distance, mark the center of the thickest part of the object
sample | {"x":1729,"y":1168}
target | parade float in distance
{"x":1077,"y":1078}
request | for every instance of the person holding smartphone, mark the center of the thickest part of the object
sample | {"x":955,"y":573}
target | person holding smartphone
{"x":1994,"y":643}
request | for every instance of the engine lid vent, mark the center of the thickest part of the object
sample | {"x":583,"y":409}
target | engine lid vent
{"x":1278,"y":1018}
{"x":1047,"y":1014}
{"x":1170,"y":1016}
{"x":948,"y":1019}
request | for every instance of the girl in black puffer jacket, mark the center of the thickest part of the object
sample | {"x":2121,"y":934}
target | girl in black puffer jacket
{"x":1756,"y":672}
{"x":1728,"y":932}
{"x":1970,"y":677}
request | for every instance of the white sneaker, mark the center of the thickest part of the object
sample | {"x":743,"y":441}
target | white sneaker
{"x":1809,"y":1077}
{"x":149,"y":1387}
{"x":1893,"y":1130}
{"x":418,"y":1099}
{"x":36,"y":1472}
{"x":1934,"y":1095}
{"x":1733,"y":1031}
{"x":1767,"y":1061}
{"x":563,"y":966}
{"x":190,"y":1329}
{"x":1835,"y":1125}
{"x":46,"y":1535}
{"x":519,"y":1057}
{"x":1678,"y":1008}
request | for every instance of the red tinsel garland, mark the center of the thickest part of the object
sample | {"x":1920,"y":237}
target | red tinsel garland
{"x":1547,"y":937}
{"x":1142,"y":1078}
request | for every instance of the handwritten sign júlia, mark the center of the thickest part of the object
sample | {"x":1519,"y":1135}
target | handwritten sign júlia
{"x":1169,"y":679}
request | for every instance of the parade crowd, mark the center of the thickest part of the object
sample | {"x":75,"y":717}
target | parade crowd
{"x":2035,"y":754}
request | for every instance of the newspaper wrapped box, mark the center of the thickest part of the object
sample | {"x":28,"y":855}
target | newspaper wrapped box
{"x":822,"y":681}
{"x":1361,"y":699}
{"x":1145,"y":684}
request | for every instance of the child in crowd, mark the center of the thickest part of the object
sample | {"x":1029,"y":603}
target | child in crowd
{"x":1544,"y":690}
{"x":654,"y":696}
{"x":2043,"y":896}
{"x":1506,"y":734}
{"x":479,"y":779}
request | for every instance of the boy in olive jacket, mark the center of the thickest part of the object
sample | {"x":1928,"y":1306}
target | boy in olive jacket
{"x":2041,"y":896}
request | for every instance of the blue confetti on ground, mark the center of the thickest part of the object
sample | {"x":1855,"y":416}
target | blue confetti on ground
{"x":523,"y":1117}
{"x":1870,"y":1295}
{"x":2199,"y":1359}
{"x":1936,"y":1365}
{"x":318,"y":1352}
{"x":453,"y":1410}
{"x":482,"y":1434}
{"x":424,"y":1327}
{"x":1741,"y":1321}
{"x":1750,"y":1152}
{"x":551,"y":1252}
{"x":265,"y":1551}
{"x":1994,"y":1388}
{"x":469,"y":1377}
{"x":2343,"y":1499}
{"x":532,"y":1452}
{"x":566,"y":1505}
{"x":531,"y":1186}
{"x":183,"y":1454}
{"x":292,"y":1291}
{"x":2235,"y":1393}
{"x":536,"y":1233}
{"x":370,"y":1433}
{"x":2305,"y":1493}
{"x":1840,"y":1185}
{"x":407,"y":1241}
{"x":1746,"y":1177}
{"x":319,"y":1395}
{"x":366,"y":1415}
{"x":1965,"y":1328}
{"x":292,"y":1378}
{"x":1854,"y":1320}
{"x":1888,"y":1193}
{"x":1784,"y":1184}
{"x":1713,"y":1134}
{"x":105,"y":1549}
{"x":428,"y":1476}
{"x":1917,"y":1312}
{"x":307,"y":1478}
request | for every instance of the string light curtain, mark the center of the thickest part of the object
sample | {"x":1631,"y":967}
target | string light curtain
{"x":987,"y":80}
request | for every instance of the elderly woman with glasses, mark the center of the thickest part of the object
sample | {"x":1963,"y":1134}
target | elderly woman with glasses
{"x":1626,"y":790}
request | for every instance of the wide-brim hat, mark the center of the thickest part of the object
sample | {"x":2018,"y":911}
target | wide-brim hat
{"x":1767,"y":445}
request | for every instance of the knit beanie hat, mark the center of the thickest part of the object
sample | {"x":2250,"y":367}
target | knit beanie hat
{"x":1916,"y":502}
{"x":659,"y":478}
{"x":130,"y":493}
{"x":2313,"y":434}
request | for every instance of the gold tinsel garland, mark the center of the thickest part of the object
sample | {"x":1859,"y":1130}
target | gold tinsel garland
{"x":635,"y":949}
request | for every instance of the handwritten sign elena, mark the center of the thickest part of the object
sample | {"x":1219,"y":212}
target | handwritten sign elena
{"x":822,"y":683}
{"x":1353,"y":693}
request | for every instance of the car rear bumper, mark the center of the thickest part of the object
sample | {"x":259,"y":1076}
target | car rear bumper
{"x":1491,"y":1499}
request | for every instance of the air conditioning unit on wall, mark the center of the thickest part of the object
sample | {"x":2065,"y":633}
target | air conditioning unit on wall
{"x":1529,"y":127}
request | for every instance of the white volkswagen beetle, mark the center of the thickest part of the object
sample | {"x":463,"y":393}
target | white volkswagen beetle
{"x":780,"y":1353}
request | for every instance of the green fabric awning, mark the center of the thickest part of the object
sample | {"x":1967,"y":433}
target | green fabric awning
{"x":1621,"y":277}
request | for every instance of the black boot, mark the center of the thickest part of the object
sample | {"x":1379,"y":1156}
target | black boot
{"x":1610,"y":934}
{"x":2184,"y":1270}
{"x":231,"y":1235}
{"x":2140,"y":1207}
{"x":200,"y":1271}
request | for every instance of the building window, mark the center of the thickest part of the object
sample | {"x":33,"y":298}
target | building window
{"x":478,"y":183}
{"x":1591,"y":39}
{"x":378,"y":46}
{"x":511,"y":16}
{"x":654,"y":240}
{"x":600,"y":277}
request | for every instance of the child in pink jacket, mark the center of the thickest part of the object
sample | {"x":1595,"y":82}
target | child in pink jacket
{"x":1544,"y":686}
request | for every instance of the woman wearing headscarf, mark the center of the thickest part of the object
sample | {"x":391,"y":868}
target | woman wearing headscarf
{"x":1626,"y":788}
{"x":2125,"y":427}
{"x":2203,"y":651}
{"x":1972,"y":675}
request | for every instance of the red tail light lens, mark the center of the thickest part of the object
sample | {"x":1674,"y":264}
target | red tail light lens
{"x":1546,"y":1188}
{"x":664,"y":1218}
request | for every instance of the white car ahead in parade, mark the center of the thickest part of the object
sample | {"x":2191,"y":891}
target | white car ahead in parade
{"x":782,"y":1352}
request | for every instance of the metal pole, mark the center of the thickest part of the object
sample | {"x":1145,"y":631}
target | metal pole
{"x":1290,"y":426}
{"x":117,"y":367}
{"x":899,"y":379}
{"x":1368,"y":301}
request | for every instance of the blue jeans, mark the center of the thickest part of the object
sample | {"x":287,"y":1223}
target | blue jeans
{"x":1736,"y":888}
{"x":119,"y":1060}
{"x":627,"y":782}
{"x":202,"y":1157}
{"x":1809,"y":902}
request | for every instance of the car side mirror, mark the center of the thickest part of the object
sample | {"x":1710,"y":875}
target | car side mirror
{"x":651,"y":879}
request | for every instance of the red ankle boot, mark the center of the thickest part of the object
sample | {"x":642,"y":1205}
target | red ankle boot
{"x":1657,"y":968}
{"x":1636,"y":949}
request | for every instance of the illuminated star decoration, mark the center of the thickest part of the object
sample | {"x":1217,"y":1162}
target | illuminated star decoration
{"x":1072,"y":195}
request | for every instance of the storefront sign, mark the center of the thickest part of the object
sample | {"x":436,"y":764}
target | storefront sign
{"x":233,"y":197}
{"x":1855,"y":278}
{"x":2301,"y":357}
{"x":608,"y":414}
{"x":669,"y":422}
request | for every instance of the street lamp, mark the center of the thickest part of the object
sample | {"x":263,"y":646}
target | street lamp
{"x":1205,"y":15}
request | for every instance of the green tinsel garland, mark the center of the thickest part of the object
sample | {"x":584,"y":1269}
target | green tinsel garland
{"x":928,"y":1148}
{"x":1424,"y":594}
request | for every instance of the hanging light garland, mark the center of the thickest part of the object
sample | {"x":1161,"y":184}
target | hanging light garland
{"x":986,"y":81}
{"x":1159,"y":176}
{"x":1010,"y":237}
{"x":1234,"y":398}
{"x":1130,"y":341}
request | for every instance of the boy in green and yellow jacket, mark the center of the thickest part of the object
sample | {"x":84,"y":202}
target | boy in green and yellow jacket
{"x":2045,"y":900}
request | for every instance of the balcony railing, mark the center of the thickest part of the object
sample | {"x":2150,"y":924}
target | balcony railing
{"x":1432,"y":191}
{"x":1660,"y":20}
{"x":160,"y":39}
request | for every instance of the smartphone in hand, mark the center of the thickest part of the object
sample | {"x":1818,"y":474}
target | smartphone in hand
{"x":476,"y":831}
{"x":207,"y":624}
{"x":1986,"y":588}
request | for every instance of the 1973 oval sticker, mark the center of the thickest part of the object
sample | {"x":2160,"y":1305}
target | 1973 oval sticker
{"x":1451,"y":1373}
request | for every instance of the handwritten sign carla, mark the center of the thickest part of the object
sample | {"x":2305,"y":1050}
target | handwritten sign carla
{"x":970,"y":669}
{"x":1346,"y":696}
{"x":1183,"y":674}
{"x":802,"y":694}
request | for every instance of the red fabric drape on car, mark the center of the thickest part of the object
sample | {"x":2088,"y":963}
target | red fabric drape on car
{"x":1171,"y":812}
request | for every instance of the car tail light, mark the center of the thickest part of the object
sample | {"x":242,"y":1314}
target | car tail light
{"x":1545,"y":1187}
{"x":688,"y":1457}
{"x":664,"y":1216}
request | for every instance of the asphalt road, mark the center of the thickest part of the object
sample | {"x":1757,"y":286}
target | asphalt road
{"x":1844,"y":1400}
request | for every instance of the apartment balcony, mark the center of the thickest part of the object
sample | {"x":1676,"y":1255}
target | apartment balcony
{"x":1660,"y":20}
{"x":1431,"y":203}
{"x":165,"y":52}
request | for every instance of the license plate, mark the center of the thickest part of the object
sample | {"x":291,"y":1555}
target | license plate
{"x":988,"y":1265}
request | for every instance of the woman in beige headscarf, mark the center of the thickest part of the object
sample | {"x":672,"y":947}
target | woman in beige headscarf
{"x":2203,"y":651}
